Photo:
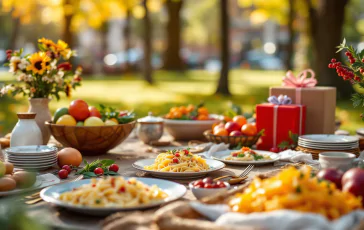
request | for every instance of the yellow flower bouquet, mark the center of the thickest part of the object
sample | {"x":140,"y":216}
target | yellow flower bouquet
{"x":45,"y":73}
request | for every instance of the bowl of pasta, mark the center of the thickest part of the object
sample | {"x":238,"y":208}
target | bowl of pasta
{"x":124,"y":194}
{"x":246,"y":156}
{"x":178,"y":164}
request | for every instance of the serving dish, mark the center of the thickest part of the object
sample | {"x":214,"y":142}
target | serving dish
{"x":91,"y":140}
{"x":223,"y":154}
{"x":213,"y":164}
{"x":51,"y":195}
{"x":233,"y":141}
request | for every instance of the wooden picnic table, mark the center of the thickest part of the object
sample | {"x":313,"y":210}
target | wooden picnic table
{"x":124,"y":155}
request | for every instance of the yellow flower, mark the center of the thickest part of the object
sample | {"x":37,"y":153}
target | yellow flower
{"x":48,"y":43}
{"x":62,"y":48}
{"x":39,"y":63}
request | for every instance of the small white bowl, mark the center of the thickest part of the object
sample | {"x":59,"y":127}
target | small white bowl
{"x":200,"y":193}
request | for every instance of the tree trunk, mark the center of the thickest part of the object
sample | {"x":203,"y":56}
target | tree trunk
{"x":223,"y":84}
{"x":147,"y":45}
{"x":67,"y":33}
{"x":326,"y":24}
{"x":14,"y":33}
{"x":291,"y":34}
{"x":172,"y":57}
{"x":127,"y":40}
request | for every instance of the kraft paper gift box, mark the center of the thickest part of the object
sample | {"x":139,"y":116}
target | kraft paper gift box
{"x":320,"y":102}
{"x":278,"y":120}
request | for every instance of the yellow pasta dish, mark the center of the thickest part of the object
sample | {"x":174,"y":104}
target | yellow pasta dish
{"x":178,"y":161}
{"x":114,"y":192}
{"x":246,"y":154}
{"x":295,"y":189}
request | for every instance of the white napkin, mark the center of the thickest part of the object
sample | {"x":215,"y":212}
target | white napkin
{"x":213,"y":148}
{"x":296,"y":156}
{"x":277,"y":220}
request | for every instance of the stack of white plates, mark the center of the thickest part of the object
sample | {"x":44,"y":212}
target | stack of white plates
{"x":328,"y":142}
{"x":34,"y":157}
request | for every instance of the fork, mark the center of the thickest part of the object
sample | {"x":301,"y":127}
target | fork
{"x":35,"y":197}
{"x":243,"y":174}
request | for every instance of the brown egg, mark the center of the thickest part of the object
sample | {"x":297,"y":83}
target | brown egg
{"x":9,"y":168}
{"x":69,"y":156}
{"x":24,"y":179}
{"x":7,"y":184}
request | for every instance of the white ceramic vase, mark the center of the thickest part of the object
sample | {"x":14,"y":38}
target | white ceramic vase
{"x":26,"y":131}
{"x":40,"y":107}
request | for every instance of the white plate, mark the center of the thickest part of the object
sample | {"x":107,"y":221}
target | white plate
{"x":352,"y":144}
{"x":35,"y":168}
{"x":31,"y":160}
{"x":328,"y":138}
{"x":34,"y":165}
{"x":214,"y":166}
{"x":51,"y":195}
{"x":326,"y":147}
{"x":18,"y":190}
{"x":31,"y":150}
{"x":223,"y":154}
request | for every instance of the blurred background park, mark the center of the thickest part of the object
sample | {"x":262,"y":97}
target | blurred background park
{"x":149,"y":55}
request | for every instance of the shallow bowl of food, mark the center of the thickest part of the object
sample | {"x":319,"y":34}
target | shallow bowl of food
{"x":207,"y":189}
{"x":233,"y":141}
{"x":188,"y":129}
{"x":91,"y":140}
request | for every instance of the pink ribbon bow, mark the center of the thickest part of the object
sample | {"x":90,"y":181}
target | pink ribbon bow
{"x":301,"y":81}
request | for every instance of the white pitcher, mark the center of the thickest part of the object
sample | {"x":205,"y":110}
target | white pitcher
{"x":26,"y":131}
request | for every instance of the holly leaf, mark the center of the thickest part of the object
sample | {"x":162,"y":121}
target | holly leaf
{"x":111,"y":173}
{"x":107,"y":162}
{"x":357,"y":65}
{"x":357,"y":99}
{"x":283,"y":144}
{"x":89,"y":174}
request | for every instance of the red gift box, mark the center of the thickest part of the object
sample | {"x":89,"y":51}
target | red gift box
{"x":277,"y":121}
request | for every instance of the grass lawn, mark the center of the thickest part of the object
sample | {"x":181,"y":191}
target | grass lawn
{"x":130,"y":92}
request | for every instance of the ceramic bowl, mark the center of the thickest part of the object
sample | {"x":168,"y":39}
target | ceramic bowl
{"x":187,"y":129}
{"x":200,"y":193}
{"x":91,"y":140}
{"x":233,"y":141}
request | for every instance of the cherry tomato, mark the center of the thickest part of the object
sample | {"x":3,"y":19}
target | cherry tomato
{"x":67,"y":167}
{"x":63,"y":173}
{"x":186,"y":151}
{"x":198,"y":183}
{"x":121,"y":189}
{"x":274,"y":149}
{"x":207,"y":180}
{"x":114,"y":168}
{"x":235,"y":154}
{"x":208,"y":186}
{"x":99,"y":171}
{"x":177,"y":155}
{"x":175,"y":160}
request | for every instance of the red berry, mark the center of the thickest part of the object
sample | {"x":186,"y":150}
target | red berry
{"x":330,"y":66}
{"x":208,"y":186}
{"x":175,"y":160}
{"x":333,"y":60}
{"x":338,"y":63}
{"x":207,"y":180}
{"x":198,"y":183}
{"x":177,"y":155}
{"x":114,"y":168}
{"x":63,"y":173}
{"x":121,"y":189}
{"x":274,"y":149}
{"x":361,"y":70}
{"x":67,"y":167}
{"x":99,"y":171}
{"x":362,"y":60}
{"x":352,"y":61}
{"x":347,"y":53}
{"x":186,"y":151}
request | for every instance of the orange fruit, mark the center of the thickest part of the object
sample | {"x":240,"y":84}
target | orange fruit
{"x":203,"y":110}
{"x":114,"y":120}
{"x":173,"y":109}
{"x":190,"y":108}
{"x":183,"y":109}
{"x":249,"y":129}
{"x":227,"y":119}
{"x":202,"y":117}
{"x":221,"y":132}
{"x":168,"y":116}
{"x":177,"y":114}
{"x":241,"y":120}
{"x":219,"y":126}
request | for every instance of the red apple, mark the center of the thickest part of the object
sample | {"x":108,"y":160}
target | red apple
{"x":235,"y":133}
{"x":331,"y":174}
{"x":219,"y":126}
{"x":94,"y":112}
{"x":232,"y":126}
